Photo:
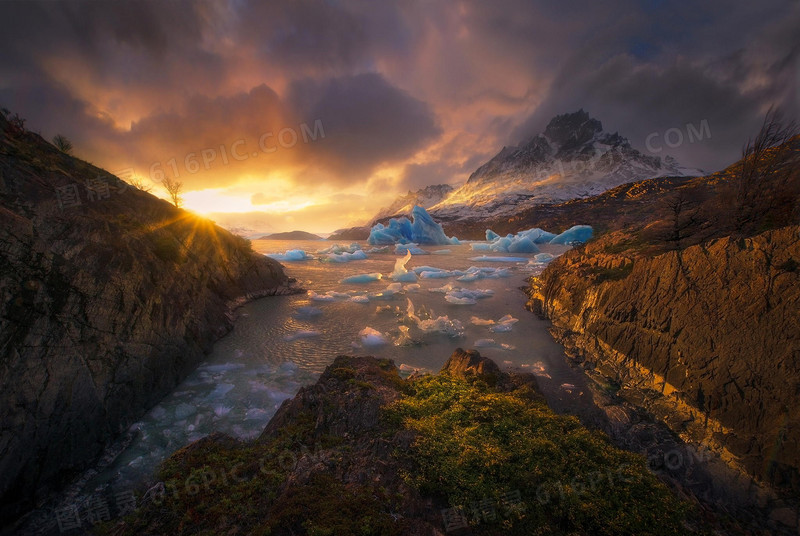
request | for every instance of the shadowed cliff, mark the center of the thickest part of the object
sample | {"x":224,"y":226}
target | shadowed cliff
{"x":110,"y":297}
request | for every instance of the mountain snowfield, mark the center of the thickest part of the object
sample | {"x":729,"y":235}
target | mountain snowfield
{"x":573,"y":158}
{"x":404,"y":204}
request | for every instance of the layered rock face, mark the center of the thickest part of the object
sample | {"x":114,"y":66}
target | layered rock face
{"x":110,"y":297}
{"x":706,"y":338}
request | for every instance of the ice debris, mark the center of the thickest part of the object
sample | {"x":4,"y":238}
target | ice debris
{"x":291,"y":255}
{"x":362,"y":278}
{"x":372,"y":337}
{"x":400,"y":272}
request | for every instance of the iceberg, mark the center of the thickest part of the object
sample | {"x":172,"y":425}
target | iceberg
{"x":291,"y":255}
{"x":362,"y":278}
{"x":577,"y":234}
{"x":422,"y":230}
{"x":522,"y":242}
{"x":307,"y":312}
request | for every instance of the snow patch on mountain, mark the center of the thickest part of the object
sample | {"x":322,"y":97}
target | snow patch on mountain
{"x":573,"y":158}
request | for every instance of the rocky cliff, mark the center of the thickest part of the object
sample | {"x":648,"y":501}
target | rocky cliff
{"x":690,"y":302}
{"x":705,"y":338}
{"x":110,"y":297}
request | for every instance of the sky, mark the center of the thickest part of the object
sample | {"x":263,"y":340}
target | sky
{"x":282,"y":115}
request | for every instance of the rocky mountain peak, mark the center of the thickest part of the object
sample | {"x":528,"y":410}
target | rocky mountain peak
{"x":575,"y":128}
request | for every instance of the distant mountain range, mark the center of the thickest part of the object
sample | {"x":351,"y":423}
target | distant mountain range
{"x":292,"y":235}
{"x":574,"y":158}
{"x":425,"y":198}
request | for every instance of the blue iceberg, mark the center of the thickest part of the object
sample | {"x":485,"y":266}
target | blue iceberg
{"x":291,"y":255}
{"x":423,"y":230}
{"x":577,"y":234}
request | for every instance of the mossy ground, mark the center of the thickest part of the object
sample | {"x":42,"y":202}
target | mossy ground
{"x":513,"y":466}
{"x":504,"y":459}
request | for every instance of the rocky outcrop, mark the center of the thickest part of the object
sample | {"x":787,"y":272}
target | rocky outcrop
{"x":705,"y":338}
{"x":110,"y":297}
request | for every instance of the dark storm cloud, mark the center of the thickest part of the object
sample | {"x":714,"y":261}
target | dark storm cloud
{"x":430,"y":88}
{"x":369,"y":121}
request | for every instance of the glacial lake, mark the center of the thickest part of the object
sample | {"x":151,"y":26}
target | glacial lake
{"x":281,"y":343}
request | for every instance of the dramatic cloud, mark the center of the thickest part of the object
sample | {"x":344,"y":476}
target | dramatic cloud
{"x":309,"y":110}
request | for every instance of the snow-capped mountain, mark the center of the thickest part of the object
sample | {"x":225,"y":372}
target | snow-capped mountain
{"x":425,"y":198}
{"x":573,"y":158}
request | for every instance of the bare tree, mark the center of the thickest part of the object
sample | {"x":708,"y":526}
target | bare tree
{"x":174,"y":189}
{"x":767,"y":156}
{"x":62,"y":144}
{"x":139,"y":184}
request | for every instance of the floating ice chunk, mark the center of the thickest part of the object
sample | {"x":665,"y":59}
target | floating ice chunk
{"x":405,"y":337}
{"x":372,"y":337}
{"x":491,"y":343}
{"x":443,"y":290}
{"x":360,"y":299}
{"x":388,"y":293}
{"x":221,"y":411}
{"x":459,"y":300}
{"x":419,"y":269}
{"x":486,"y":258}
{"x":522,"y":245}
{"x":221,"y":390}
{"x":476,"y":321}
{"x":400,"y":272}
{"x":491,"y":235}
{"x":339,"y":249}
{"x":320,"y":297}
{"x":291,"y":255}
{"x":362,"y":278}
{"x":413,"y":287}
{"x":577,"y":234}
{"x":184,"y":410}
{"x":384,"y":249}
{"x":402,"y":249}
{"x":444,"y":274}
{"x":480,"y":246}
{"x":302,"y":334}
{"x":306,"y":312}
{"x":543,"y":257}
{"x":357,"y":255}
{"x":442,"y":252}
{"x":429,"y":323}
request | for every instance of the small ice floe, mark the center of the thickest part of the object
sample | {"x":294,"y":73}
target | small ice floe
{"x":474,"y":273}
{"x":504,"y":324}
{"x":372,"y":337}
{"x":360,"y":299}
{"x":388,"y":293}
{"x":443,"y":252}
{"x":291,"y":255}
{"x":568,"y":387}
{"x":488,"y":258}
{"x":329,"y":296}
{"x":379,"y":250}
{"x":428,"y":322}
{"x":413,"y":287}
{"x":401,"y":249}
{"x":306,"y":312}
{"x":362,"y":278}
{"x":302,"y":334}
{"x":491,"y":343}
{"x":358,"y":255}
{"x":465,"y":296}
{"x":221,"y":410}
{"x":338,"y":249}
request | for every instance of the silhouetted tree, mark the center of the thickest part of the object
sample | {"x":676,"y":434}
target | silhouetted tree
{"x":174,"y":189}
{"x":767,"y":156}
{"x":62,"y":144}
{"x":139,"y":184}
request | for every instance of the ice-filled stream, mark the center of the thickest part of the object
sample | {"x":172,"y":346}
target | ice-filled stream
{"x":415,"y":312}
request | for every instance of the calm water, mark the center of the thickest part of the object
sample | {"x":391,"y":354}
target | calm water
{"x":282,"y":343}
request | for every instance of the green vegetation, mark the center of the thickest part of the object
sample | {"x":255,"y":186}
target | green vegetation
{"x":477,"y":444}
